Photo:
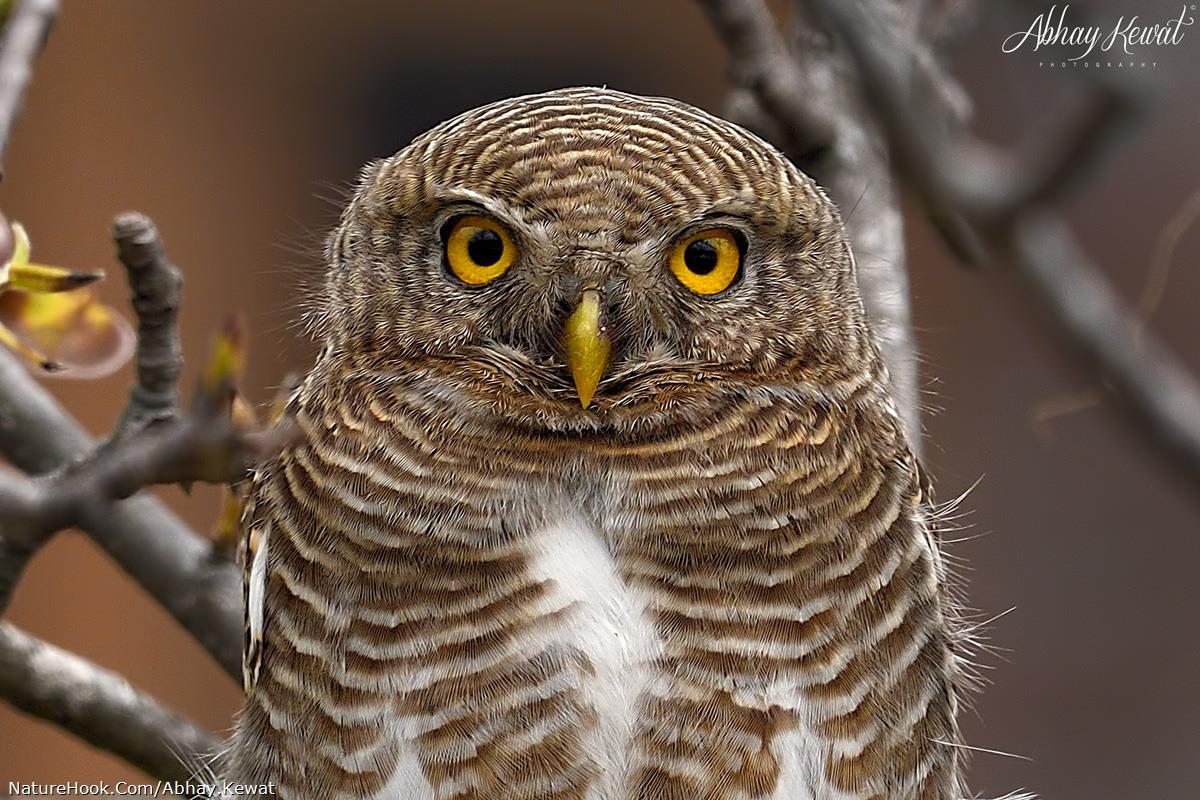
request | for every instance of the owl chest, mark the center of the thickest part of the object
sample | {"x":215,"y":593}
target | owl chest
{"x":500,"y":625}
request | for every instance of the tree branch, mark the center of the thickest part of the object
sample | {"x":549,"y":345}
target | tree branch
{"x":157,"y":549}
{"x":21,"y":40}
{"x":805,"y":100}
{"x":155,"y":283}
{"x":99,"y":706}
{"x":760,"y":62}
{"x":951,"y":172}
{"x":175,"y":565}
{"x":203,"y":445}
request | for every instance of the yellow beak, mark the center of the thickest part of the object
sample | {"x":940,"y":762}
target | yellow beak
{"x":587,"y":345}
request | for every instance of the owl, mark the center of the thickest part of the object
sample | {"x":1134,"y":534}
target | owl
{"x":600,"y":491}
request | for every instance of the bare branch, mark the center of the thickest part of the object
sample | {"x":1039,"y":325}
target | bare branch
{"x":22,"y":39}
{"x":805,"y":99}
{"x":174,"y":564}
{"x":203,"y":445}
{"x":760,"y":62}
{"x":155,"y":283}
{"x":157,"y":549}
{"x":178,"y":567}
{"x":34,"y":444}
{"x":154,"y":445}
{"x":18,"y":542}
{"x":98,"y":706}
{"x":1072,"y":157}
{"x":1160,"y":399}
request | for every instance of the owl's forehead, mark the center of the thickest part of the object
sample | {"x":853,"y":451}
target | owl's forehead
{"x":603,"y":164}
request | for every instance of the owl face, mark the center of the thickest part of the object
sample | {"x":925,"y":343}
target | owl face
{"x":575,"y":255}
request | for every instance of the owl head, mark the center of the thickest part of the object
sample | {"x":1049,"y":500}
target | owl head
{"x":587,"y":258}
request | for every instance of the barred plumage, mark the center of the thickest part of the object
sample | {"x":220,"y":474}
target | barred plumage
{"x":717,"y":579}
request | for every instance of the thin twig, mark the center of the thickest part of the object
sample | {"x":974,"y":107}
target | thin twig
{"x":98,"y":706}
{"x":1160,"y":397}
{"x":198,"y":446}
{"x":22,"y":39}
{"x":1164,"y":254}
{"x":155,"y":283}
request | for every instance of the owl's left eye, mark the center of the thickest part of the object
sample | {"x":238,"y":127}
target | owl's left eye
{"x":707,"y":262}
{"x":479,"y":250}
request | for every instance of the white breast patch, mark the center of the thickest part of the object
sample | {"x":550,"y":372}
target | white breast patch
{"x":608,"y":623}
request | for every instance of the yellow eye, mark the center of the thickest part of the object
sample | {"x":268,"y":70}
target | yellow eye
{"x":479,"y":250}
{"x":707,"y":262}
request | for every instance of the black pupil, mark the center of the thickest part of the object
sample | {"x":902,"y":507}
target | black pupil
{"x":485,"y":247}
{"x":701,"y":256}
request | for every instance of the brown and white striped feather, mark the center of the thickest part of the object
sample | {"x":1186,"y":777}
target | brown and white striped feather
{"x":749,"y":609}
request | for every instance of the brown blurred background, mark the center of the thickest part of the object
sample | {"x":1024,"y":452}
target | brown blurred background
{"x":238,"y":127}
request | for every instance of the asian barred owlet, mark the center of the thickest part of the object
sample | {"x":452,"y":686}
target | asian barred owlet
{"x":601,"y":492}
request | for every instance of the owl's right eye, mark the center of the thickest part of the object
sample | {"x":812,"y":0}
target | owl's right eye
{"x":479,"y":250}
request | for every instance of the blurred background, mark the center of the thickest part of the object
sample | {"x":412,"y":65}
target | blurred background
{"x":239,"y":127}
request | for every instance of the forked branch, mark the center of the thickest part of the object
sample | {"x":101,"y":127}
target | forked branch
{"x":1020,"y":228}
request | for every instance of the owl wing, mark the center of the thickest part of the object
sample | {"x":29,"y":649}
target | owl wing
{"x":253,"y":552}
{"x":254,"y":546}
